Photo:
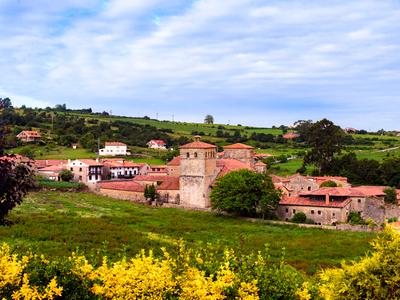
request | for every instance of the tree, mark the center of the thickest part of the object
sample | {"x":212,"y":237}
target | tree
{"x":390,"y":195}
{"x":299,"y":217}
{"x":66,"y":175}
{"x":325,"y":140}
{"x":209,"y":119}
{"x":245,"y":193}
{"x":150,"y":193}
{"x":5,"y":103}
{"x":15,"y":180}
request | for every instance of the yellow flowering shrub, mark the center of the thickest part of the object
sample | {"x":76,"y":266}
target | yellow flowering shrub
{"x":26,"y":292}
{"x":11,"y":268}
{"x":248,"y":291}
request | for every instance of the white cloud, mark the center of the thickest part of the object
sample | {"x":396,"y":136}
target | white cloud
{"x":204,"y":51}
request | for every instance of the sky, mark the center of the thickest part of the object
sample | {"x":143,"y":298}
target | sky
{"x":251,"y":62}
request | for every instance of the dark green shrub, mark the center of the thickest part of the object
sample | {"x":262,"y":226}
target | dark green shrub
{"x":299,"y":217}
{"x":354,"y":218}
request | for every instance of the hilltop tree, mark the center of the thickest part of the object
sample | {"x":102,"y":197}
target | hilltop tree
{"x":245,"y":193}
{"x":5,"y":103}
{"x":325,"y":140}
{"x":209,"y":119}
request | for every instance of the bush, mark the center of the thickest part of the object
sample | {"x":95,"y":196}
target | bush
{"x":354,"y":218}
{"x":329,"y":183}
{"x":392,"y":220}
{"x":190,"y":274}
{"x":390,"y":195}
{"x":66,"y":175}
{"x":373,"y":277}
{"x":299,"y":217}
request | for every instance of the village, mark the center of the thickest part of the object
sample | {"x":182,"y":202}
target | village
{"x":186,"y":181}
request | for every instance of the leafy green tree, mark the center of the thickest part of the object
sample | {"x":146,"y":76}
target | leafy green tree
{"x":66,"y":175}
{"x":390,"y":195}
{"x":150,"y":192}
{"x":15,"y":181}
{"x":245,"y":193}
{"x":5,"y":103}
{"x":325,"y":140}
{"x":209,"y":119}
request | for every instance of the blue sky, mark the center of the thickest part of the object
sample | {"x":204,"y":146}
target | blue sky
{"x":243,"y":61}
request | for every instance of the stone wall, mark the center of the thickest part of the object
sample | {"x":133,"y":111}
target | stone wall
{"x":320,"y":215}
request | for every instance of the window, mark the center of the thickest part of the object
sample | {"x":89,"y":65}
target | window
{"x":80,"y":169}
{"x":80,"y":177}
{"x":71,"y":169}
{"x":287,"y":210}
{"x":312,"y":212}
{"x":333,"y":214}
{"x":90,"y":177}
{"x":187,"y":155}
{"x":294,"y":211}
{"x":359,"y":200}
{"x":206,"y":154}
{"x":319,"y":212}
{"x":309,"y":188}
{"x":195,"y":155}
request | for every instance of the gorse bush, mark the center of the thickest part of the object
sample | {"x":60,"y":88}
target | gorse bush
{"x":190,"y":274}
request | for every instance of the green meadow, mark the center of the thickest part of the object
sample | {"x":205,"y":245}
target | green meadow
{"x":57,"y":224}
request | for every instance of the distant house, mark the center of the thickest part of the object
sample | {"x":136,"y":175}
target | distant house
{"x":122,"y":169}
{"x":29,"y":136}
{"x":291,"y":136}
{"x":113,"y":149}
{"x":87,"y":171}
{"x":350,"y":130}
{"x":157,"y":144}
{"x":51,"y":172}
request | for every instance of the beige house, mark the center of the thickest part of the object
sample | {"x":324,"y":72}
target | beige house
{"x":114,"y":149}
{"x":87,"y":171}
{"x":29,"y":136}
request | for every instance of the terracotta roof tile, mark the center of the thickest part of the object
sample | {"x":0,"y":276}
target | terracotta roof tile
{"x":300,"y":201}
{"x":198,"y":145}
{"x":122,"y":185}
{"x":170,"y":183}
{"x":228,"y":165}
{"x":115,"y":144}
{"x":290,"y":135}
{"x":238,"y":146}
{"x":176,"y":161}
{"x":90,"y":162}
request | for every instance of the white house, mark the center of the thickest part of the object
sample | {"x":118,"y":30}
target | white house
{"x":157,"y":144}
{"x":87,"y":171}
{"x":113,"y":149}
{"x":122,"y":169}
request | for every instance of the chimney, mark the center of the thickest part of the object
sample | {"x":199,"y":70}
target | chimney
{"x":327,"y":198}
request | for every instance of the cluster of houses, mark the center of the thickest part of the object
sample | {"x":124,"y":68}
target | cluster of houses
{"x":186,"y":181}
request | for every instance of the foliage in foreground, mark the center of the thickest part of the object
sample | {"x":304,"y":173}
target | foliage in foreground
{"x":189,"y":275}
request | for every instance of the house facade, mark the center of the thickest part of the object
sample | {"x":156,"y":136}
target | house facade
{"x":122,"y":169}
{"x":86,"y":171}
{"x":29,"y":136}
{"x":157,"y":144}
{"x":114,"y":149}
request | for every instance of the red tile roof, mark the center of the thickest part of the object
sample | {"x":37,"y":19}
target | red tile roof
{"x":30,"y":133}
{"x":300,"y":201}
{"x":169,"y":183}
{"x":228,"y":165}
{"x":154,"y":178}
{"x":42,"y":163}
{"x":290,"y":135}
{"x":158,"y":142}
{"x":55,"y":168}
{"x":176,"y":161}
{"x":114,"y":144}
{"x":130,"y":186}
{"x":321,"y":179}
{"x":198,"y":145}
{"x":121,"y":164}
{"x":238,"y":146}
{"x":260,"y":163}
{"x":90,"y":162}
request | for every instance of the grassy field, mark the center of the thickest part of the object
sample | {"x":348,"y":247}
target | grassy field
{"x":57,"y":152}
{"x":58,"y":223}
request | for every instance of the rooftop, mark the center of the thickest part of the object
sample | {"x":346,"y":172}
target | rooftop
{"x":130,"y":185}
{"x":114,"y":144}
{"x":198,"y":145}
{"x":300,"y":201}
{"x":239,"y":146}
